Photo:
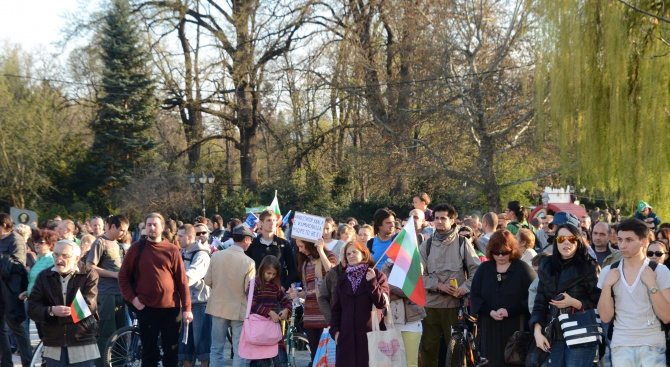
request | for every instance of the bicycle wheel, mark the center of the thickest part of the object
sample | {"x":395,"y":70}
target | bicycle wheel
{"x":37,"y":356}
{"x":124,"y":348}
{"x":456,"y":351}
{"x":301,"y":342}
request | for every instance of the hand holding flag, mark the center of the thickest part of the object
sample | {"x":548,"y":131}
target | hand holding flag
{"x":79,"y":309}
{"x":406,"y":273}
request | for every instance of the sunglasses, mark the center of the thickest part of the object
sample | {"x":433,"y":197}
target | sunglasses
{"x":200,"y":233}
{"x":468,"y":236}
{"x":503,"y":253}
{"x":40,"y":241}
{"x":655,"y":253}
{"x":571,"y":239}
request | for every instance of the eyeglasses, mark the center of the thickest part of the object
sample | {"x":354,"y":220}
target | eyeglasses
{"x":655,"y":253}
{"x":571,"y":239}
{"x":200,"y":233}
{"x":40,"y":242}
{"x":64,"y":256}
{"x":503,"y":253}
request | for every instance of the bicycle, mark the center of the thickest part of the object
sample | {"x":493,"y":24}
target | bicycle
{"x":37,"y":360}
{"x":461,"y":351}
{"x":294,"y":339}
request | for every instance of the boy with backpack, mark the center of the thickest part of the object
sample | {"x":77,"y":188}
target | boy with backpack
{"x":640,"y":290}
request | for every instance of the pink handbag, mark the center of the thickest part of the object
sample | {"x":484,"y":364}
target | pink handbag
{"x":260,"y":335}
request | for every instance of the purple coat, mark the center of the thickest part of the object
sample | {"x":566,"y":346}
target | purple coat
{"x":351,"y":316}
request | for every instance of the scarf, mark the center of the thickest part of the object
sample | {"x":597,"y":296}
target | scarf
{"x":356,"y":274}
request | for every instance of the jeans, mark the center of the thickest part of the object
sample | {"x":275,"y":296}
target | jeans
{"x":112,"y":311}
{"x":646,"y":356}
{"x":155,"y":321}
{"x":219,"y":329}
{"x":199,"y":336}
{"x":22,"y":340}
{"x":65,"y":361}
{"x":562,"y":356}
{"x":281,"y":360}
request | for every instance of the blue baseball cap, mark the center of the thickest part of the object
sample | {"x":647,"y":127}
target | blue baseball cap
{"x":561,"y":218}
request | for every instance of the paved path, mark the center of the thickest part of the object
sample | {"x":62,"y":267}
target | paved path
{"x":302,"y":358}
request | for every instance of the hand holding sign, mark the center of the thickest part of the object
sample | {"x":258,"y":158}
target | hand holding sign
{"x":308,"y":227}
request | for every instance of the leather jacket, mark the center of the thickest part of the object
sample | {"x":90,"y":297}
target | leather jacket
{"x":577,"y":277}
{"x":62,"y":331}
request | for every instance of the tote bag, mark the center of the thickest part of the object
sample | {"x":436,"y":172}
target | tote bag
{"x":581,"y":329}
{"x":325,"y":354}
{"x":260,"y":335}
{"x":385,"y":348}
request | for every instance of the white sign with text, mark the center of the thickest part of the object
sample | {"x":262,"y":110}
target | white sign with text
{"x":307,"y":227}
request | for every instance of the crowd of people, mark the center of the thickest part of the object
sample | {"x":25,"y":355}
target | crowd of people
{"x":189,"y":283}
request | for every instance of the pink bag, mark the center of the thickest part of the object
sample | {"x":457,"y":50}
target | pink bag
{"x":260,"y":335}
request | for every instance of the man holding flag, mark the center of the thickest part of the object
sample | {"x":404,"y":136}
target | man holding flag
{"x":64,"y":302}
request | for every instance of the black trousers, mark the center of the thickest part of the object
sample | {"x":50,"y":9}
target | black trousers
{"x":164,"y":322}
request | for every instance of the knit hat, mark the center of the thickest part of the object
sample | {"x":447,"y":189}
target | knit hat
{"x":641,"y":205}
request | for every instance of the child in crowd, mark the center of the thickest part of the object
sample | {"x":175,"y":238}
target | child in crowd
{"x":270,"y":301}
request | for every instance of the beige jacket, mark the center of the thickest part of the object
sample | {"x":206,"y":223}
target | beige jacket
{"x":445,"y":262}
{"x":228,"y":276}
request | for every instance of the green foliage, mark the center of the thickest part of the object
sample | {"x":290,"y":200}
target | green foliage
{"x":607,"y":71}
{"x":36,"y":139}
{"x":124,"y":129}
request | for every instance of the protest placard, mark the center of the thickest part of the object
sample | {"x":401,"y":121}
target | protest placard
{"x":307,"y":227}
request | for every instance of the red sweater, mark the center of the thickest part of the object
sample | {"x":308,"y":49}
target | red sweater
{"x":161,"y":277}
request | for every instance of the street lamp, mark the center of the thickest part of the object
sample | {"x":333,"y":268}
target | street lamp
{"x":209,"y":179}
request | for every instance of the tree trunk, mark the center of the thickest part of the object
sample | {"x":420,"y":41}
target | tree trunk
{"x":249,"y":169}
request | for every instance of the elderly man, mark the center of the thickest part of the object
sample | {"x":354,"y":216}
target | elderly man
{"x":69,"y":337}
{"x":228,"y":276}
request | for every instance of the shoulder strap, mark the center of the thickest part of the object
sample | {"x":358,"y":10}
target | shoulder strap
{"x":653,"y":265}
{"x":250,"y":297}
{"x":615,"y":264}
{"x":142,"y":244}
{"x":429,"y":243}
{"x":190,"y":259}
{"x":461,"y":244}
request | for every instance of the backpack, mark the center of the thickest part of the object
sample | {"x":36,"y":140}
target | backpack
{"x":461,"y":246}
{"x":190,"y":259}
{"x":665,"y":327}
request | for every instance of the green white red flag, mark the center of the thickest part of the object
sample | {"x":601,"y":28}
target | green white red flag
{"x":79,"y":309}
{"x":406,"y":273}
{"x":275,"y":205}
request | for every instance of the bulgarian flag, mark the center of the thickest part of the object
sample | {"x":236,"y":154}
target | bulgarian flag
{"x":79,"y":309}
{"x":406,"y":273}
{"x":274,"y":206}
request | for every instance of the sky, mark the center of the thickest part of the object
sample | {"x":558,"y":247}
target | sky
{"x":34,"y":24}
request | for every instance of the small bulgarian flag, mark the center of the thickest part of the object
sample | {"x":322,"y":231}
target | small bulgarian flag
{"x":79,"y":309}
{"x":406,"y":273}
{"x":275,"y":205}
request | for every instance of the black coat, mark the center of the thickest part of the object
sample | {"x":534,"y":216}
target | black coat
{"x":282,"y":250}
{"x":62,"y":331}
{"x":577,"y":277}
{"x":487,"y":294}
